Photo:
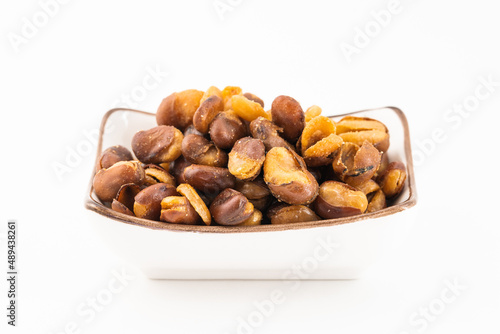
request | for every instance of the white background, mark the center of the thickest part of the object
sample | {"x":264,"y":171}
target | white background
{"x":56,"y":85}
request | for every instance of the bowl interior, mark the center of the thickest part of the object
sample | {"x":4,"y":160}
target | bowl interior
{"x":119,"y":126}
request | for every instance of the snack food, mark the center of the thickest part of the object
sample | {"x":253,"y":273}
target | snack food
{"x":219,"y":158}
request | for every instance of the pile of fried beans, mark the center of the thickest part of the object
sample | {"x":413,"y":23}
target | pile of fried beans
{"x":219,"y":157}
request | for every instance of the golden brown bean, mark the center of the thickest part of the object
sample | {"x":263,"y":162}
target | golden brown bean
{"x":108,"y":181}
{"x":254,"y":220}
{"x":155,"y":174}
{"x":246,"y":158}
{"x":393,"y":180}
{"x":206,"y":112}
{"x":148,"y":202}
{"x":112,"y":155}
{"x":337,"y":199}
{"x":286,"y":174}
{"x":199,"y":150}
{"x":357,"y":130}
{"x":178,"y":109}
{"x":226,"y":129}
{"x":293,"y":214}
{"x":318,"y":142}
{"x":196,"y":201}
{"x":207,"y":179}
{"x":254,"y":98}
{"x":178,"y":210}
{"x":356,"y":165}
{"x":231,"y":207}
{"x":268,"y":132}
{"x":288,"y":114}
{"x":157,"y":145}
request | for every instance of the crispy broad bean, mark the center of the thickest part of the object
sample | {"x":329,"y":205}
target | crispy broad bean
{"x":199,"y":150}
{"x":207,"y":179}
{"x":108,"y":181}
{"x":393,"y":180}
{"x":147,"y":203}
{"x":337,"y":199}
{"x":286,"y":174}
{"x":158,"y":145}
{"x":226,"y":129}
{"x":206,"y":112}
{"x":293,"y":214}
{"x":288,"y":114}
{"x":112,"y":155}
{"x":246,"y":158}
{"x":231,"y":207}
{"x":178,"y":109}
{"x":265,"y":130}
{"x":357,"y":130}
{"x":178,"y":210}
{"x":354,"y":164}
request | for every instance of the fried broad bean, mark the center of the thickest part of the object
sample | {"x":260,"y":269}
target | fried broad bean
{"x":293,"y":214}
{"x":393,"y":180}
{"x":125,"y":198}
{"x":196,"y":201}
{"x":256,"y":191}
{"x":199,"y":150}
{"x":376,"y":201}
{"x":318,"y":142}
{"x":155,"y":174}
{"x":211,"y":91}
{"x":178,"y":109}
{"x":178,"y":210}
{"x":157,"y":145}
{"x":254,"y":220}
{"x":368,"y":187}
{"x":226,"y":129}
{"x":337,"y":199}
{"x":288,"y":114}
{"x":246,"y":158}
{"x":358,"y":129}
{"x":312,"y":112}
{"x":206,"y":112}
{"x":287,"y":177}
{"x":148,"y":201}
{"x":227,"y":93}
{"x":108,"y":181}
{"x":254,"y":98}
{"x":231,"y":207}
{"x":112,"y":155}
{"x":207,"y":179}
{"x":374,"y":195}
{"x":265,"y":130}
{"x":247,"y":109}
{"x":356,"y":165}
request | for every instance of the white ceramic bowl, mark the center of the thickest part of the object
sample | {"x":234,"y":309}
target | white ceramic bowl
{"x":328,"y":249}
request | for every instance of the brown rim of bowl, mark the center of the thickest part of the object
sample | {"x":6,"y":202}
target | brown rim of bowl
{"x":93,"y":205}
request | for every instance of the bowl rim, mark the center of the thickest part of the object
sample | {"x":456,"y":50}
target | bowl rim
{"x":92,"y":203}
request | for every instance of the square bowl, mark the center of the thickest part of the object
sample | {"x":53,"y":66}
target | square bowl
{"x":339,"y":248}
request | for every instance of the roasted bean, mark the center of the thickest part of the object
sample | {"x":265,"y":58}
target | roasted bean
{"x":286,"y":174}
{"x":246,"y":158}
{"x":231,"y":207}
{"x":288,"y":114}
{"x":199,"y":150}
{"x":178,"y":108}
{"x":148,"y":202}
{"x":157,"y":145}
{"x":337,"y":199}
{"x":108,"y":181}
